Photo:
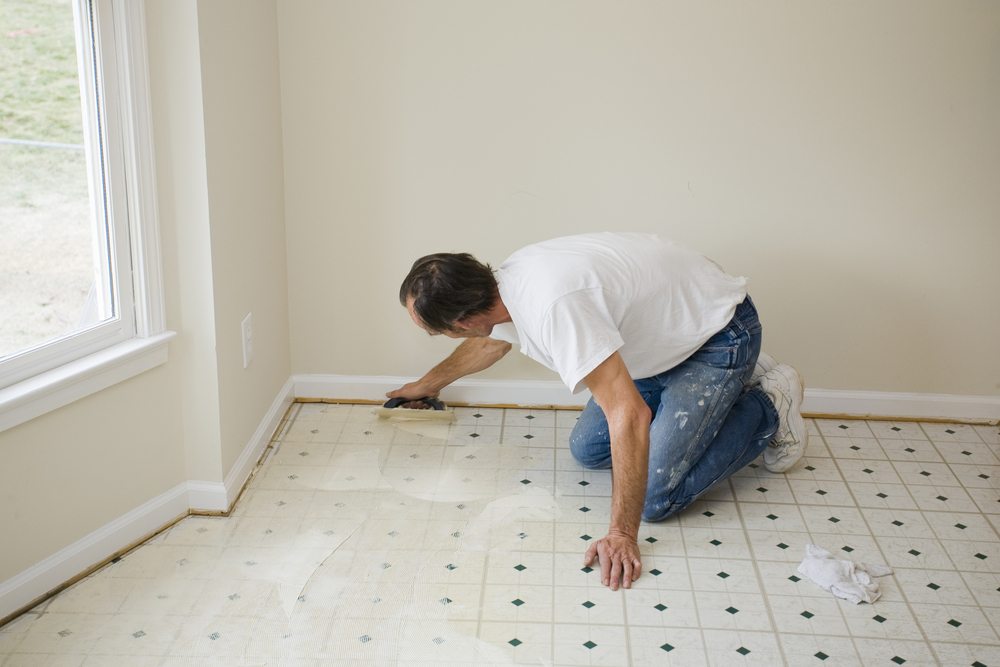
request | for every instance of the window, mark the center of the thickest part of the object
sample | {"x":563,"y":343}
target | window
{"x":80,"y":301}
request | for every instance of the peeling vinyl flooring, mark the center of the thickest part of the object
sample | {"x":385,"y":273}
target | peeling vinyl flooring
{"x":367,"y":542}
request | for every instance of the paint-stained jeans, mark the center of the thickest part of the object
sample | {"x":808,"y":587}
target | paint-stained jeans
{"x":707,"y":423}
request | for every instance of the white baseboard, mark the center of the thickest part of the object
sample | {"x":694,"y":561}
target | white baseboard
{"x":527,"y":393}
{"x":207,"y":496}
{"x":479,"y":392}
{"x":251,"y":453}
{"x":69,"y":562}
{"x":881,"y":404}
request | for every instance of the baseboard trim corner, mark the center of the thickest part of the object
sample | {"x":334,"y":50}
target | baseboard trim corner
{"x":248,"y":458}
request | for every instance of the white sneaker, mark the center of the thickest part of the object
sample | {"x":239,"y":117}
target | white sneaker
{"x":765,"y":362}
{"x":783,"y":386}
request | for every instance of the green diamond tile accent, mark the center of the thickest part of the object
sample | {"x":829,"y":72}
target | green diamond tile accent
{"x":515,"y":642}
{"x":525,"y":481}
{"x":451,"y":566}
{"x":833,"y":519}
{"x":978,"y":664}
{"x":910,"y":450}
{"x":586,"y":569}
{"x":942,"y":498}
{"x":762,"y":489}
{"x":588,"y":604}
{"x":781,"y":545}
{"x":933,"y":586}
{"x":981,"y":556}
{"x":722,"y":575}
{"x":820,"y":492}
{"x":879,"y":618}
{"x":810,"y":468}
{"x":667,"y":647}
{"x":651,"y":540}
{"x":520,"y":568}
{"x":742,"y":650}
{"x":896,"y":659}
{"x":585,"y":537}
{"x":660,"y":607}
{"x":848,"y":549}
{"x":868,"y":471}
{"x":913,"y":552}
{"x":794,"y":579}
{"x":589,"y":644}
{"x":517,"y":603}
{"x":954,"y":623}
{"x":655,"y":572}
{"x":771,"y":517}
{"x":732,"y":610}
{"x":925,"y":473}
{"x":882,"y":496}
{"x":897,"y":522}
{"x":855,"y":448}
{"x":807,"y":614}
{"x":585,"y":509}
{"x":715,"y":543}
{"x":821,"y":655}
{"x":708,"y":513}
{"x":583,"y":482}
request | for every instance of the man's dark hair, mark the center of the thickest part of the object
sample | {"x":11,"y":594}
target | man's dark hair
{"x":448,"y":287}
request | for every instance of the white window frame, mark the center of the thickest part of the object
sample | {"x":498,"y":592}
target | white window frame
{"x":135,"y":340}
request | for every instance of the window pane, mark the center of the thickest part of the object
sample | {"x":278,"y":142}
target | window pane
{"x":52,"y":248}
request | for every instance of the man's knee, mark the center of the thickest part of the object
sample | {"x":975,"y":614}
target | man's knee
{"x":659,"y":509}
{"x":590,"y":454}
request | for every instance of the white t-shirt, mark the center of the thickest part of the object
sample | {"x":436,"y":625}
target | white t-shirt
{"x":575,"y":300}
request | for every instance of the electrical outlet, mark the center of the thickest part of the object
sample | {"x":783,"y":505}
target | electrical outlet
{"x":247,"y":327}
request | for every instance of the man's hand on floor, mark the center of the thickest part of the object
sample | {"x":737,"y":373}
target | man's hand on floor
{"x":618,"y":555}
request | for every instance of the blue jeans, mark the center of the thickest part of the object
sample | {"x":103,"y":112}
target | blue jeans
{"x":707,"y":423}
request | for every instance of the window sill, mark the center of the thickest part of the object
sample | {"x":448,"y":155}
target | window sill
{"x":61,"y":386}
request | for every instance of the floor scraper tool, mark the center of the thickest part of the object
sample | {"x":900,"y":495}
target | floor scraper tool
{"x":436,"y":410}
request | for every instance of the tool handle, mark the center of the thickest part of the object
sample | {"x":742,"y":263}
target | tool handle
{"x":399,"y":400}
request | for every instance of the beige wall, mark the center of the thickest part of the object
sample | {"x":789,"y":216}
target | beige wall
{"x":78,"y":468}
{"x":844,"y":156}
{"x":239,"y":69}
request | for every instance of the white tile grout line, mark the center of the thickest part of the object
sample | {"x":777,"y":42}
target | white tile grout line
{"x":760,"y":579}
{"x":909,"y":607}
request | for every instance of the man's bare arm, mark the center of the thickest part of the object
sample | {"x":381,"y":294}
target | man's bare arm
{"x":628,"y":423}
{"x":472,"y":356}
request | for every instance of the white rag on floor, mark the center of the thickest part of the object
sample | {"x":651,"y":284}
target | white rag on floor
{"x":845,"y":579}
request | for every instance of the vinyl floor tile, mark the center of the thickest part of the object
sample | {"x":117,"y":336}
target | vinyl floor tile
{"x":366,"y":542}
